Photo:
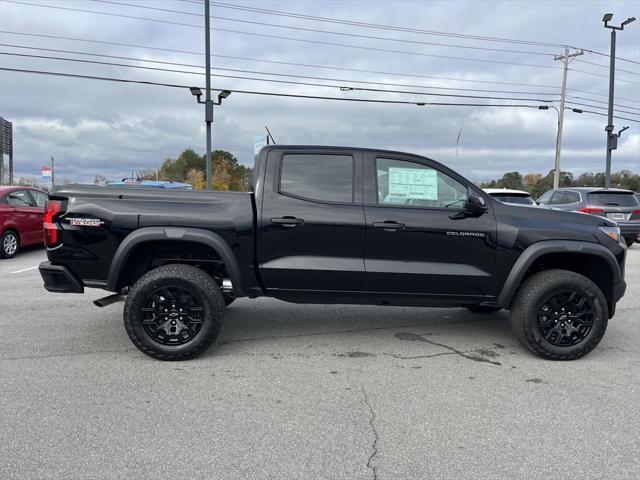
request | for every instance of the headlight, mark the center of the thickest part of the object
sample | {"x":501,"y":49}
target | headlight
{"x":612,"y":232}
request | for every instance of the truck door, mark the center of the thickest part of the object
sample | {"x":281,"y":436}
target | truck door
{"x":312,"y":225}
{"x":415,"y":245}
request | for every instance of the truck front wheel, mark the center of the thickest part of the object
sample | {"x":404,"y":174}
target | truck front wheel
{"x":174,"y":312}
{"x":559,"y":314}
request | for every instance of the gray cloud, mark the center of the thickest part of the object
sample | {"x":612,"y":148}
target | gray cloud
{"x":96,"y":127}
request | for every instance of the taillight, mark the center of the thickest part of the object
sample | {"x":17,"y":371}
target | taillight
{"x":51,"y":229}
{"x":591,"y":210}
{"x":635,"y":212}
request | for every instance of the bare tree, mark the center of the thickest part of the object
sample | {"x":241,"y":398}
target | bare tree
{"x":100,"y":180}
{"x":148,"y":174}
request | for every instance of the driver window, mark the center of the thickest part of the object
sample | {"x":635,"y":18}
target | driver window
{"x":408,"y":183}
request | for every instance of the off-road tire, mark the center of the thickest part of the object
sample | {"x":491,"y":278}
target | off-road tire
{"x":5,"y":237}
{"x":190,"y":278}
{"x":483,"y":309}
{"x":532,"y":295}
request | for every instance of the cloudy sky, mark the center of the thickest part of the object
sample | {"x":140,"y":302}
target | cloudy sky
{"x":98,"y":127}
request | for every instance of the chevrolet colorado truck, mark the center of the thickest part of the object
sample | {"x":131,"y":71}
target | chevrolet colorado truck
{"x":334,"y":225}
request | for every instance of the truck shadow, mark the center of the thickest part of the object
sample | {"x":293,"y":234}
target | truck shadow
{"x":254,"y":324}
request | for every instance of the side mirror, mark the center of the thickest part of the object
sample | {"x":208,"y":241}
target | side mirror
{"x":475,"y":205}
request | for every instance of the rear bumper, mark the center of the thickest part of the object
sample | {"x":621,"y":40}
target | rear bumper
{"x":629,"y":228}
{"x":59,"y":279}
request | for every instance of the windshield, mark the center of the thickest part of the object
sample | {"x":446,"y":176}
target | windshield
{"x":616,"y":199}
{"x":521,"y":199}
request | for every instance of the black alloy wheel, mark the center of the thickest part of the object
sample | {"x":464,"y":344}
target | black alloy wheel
{"x":565,"y":319}
{"x":173,"y":315}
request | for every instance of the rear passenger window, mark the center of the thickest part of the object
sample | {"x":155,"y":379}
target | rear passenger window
{"x":557,"y":199}
{"x":318,"y":177}
{"x":571,"y":197}
{"x":39,"y":197}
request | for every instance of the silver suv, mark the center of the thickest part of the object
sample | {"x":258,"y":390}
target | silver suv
{"x":621,"y":206}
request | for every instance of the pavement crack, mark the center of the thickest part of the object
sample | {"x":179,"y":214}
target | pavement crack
{"x":422,"y":338}
{"x":374,"y":446}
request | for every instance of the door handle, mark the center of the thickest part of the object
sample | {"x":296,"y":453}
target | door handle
{"x":388,"y":225}
{"x":288,"y":222}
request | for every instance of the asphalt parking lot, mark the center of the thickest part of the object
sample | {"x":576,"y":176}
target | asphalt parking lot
{"x":300,"y":392}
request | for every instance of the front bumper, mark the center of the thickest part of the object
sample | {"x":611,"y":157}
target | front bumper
{"x":59,"y":279}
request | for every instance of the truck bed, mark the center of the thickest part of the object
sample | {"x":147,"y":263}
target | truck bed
{"x":88,"y":247}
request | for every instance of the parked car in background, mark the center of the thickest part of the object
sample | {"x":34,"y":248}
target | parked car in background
{"x":514,"y":197}
{"x":21,"y":210}
{"x":621,"y":206}
{"x":166,"y":184}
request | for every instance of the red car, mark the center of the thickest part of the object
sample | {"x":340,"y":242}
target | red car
{"x":21,"y":210}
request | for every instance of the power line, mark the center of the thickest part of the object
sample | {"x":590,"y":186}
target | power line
{"x":274,"y":94}
{"x":327,"y":67}
{"x":604,"y":114}
{"x":604,"y":76}
{"x":271,"y":80}
{"x":291,"y":95}
{"x":279,"y":37}
{"x":603,"y":102}
{"x":381,"y":26}
{"x":435,"y":77}
{"x":607,"y":55}
{"x":314,"y":30}
{"x":604,"y":108}
{"x":279,"y":74}
{"x":404,"y":29}
{"x":605,"y":66}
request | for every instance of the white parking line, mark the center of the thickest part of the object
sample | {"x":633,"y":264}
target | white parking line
{"x":25,"y":269}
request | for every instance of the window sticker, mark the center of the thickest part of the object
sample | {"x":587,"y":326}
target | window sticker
{"x":413,"y":183}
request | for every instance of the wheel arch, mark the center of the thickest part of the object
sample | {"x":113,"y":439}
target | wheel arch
{"x":592,"y":260}
{"x":149,"y":235}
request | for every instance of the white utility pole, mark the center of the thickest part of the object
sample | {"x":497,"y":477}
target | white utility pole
{"x":565,"y":58}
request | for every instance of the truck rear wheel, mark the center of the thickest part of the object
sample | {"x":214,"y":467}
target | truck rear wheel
{"x":174,"y":312}
{"x":630,"y":239}
{"x":559,"y":314}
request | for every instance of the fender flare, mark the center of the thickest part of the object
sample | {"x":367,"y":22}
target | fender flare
{"x":197,"y":235}
{"x":535,"y":251}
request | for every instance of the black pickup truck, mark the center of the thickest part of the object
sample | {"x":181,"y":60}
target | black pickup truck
{"x":334,"y":225}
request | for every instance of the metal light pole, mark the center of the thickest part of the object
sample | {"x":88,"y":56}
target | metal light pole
{"x":565,"y":58}
{"x":53,"y":173}
{"x":612,"y":138}
{"x":208,"y":105}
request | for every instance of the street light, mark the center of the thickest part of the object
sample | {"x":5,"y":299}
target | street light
{"x":208,"y":116}
{"x":556,"y":175}
{"x":197,"y":92}
{"x":222,"y":95}
{"x":612,"y":138}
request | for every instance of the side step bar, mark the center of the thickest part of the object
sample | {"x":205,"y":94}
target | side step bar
{"x":106,"y":301}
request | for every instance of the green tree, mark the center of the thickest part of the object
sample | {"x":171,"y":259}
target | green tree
{"x":511,"y":180}
{"x":227,"y":172}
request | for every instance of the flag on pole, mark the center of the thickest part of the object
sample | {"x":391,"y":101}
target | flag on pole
{"x":46,"y":172}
